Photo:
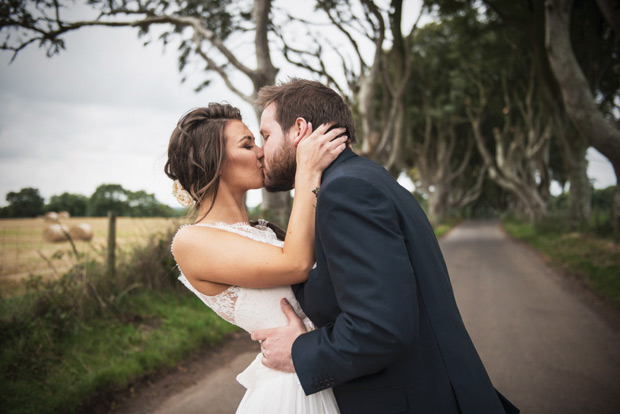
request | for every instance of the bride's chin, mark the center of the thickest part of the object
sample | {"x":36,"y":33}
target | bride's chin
{"x":258,"y":186}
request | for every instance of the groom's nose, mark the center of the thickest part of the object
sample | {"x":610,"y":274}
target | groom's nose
{"x":260,"y":153}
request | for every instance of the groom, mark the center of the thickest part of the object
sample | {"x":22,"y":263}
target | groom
{"x":389,"y":336}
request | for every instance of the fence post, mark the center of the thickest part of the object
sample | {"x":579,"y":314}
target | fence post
{"x":112,"y":243}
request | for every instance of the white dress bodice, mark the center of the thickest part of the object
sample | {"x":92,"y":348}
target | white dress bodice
{"x":250,"y":309}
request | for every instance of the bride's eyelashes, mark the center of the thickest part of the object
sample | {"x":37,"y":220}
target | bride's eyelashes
{"x":248,"y":143}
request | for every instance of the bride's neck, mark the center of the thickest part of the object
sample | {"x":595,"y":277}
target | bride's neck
{"x":228,"y":207}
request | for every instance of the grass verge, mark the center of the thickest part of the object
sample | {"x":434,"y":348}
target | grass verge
{"x":45,"y":371}
{"x":445,"y":227}
{"x":88,"y":331}
{"x":594,"y":260}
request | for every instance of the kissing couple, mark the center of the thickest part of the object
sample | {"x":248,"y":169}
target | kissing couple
{"x":352,"y":304}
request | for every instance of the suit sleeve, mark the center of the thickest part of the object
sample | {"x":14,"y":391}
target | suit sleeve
{"x":374,"y":285}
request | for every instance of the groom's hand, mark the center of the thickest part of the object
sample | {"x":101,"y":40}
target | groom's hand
{"x":277,"y":343}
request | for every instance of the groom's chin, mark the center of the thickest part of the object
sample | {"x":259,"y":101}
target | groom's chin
{"x":276,"y":186}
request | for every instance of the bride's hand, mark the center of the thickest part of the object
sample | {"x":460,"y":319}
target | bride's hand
{"x":317,"y":149}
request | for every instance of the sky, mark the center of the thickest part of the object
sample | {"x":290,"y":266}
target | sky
{"x":102,"y":111}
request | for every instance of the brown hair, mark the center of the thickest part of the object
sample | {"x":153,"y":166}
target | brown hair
{"x":197,"y":151}
{"x":311,"y":100}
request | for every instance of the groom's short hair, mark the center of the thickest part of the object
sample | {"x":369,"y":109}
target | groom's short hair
{"x":308,"y":99}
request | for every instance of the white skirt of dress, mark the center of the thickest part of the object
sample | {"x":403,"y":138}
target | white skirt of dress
{"x":270,"y":391}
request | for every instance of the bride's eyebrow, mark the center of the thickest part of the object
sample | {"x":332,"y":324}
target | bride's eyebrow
{"x":245,"y":137}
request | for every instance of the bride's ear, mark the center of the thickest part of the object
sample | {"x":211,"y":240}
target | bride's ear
{"x":300,"y":129}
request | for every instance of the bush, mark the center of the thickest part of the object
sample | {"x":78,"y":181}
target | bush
{"x":66,"y":339}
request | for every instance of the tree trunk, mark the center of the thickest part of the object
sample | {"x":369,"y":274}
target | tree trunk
{"x":276,"y":207}
{"x":438,"y":203}
{"x":576,"y":94}
{"x":579,"y":206}
{"x":579,"y":198}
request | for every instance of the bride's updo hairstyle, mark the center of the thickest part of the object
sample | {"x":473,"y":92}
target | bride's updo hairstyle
{"x":197,"y":151}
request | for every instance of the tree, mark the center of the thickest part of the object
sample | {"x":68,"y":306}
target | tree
{"x":440,"y":146}
{"x":75,"y":204}
{"x":520,"y":146}
{"x":576,"y":92}
{"x":379,"y":69}
{"x":27,"y":202}
{"x":108,"y":197}
{"x":523,"y":27}
{"x":208,"y":30}
{"x":143,"y":204}
{"x":474,"y":63}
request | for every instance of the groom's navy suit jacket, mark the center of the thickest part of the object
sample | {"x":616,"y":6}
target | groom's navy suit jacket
{"x":390,"y":338}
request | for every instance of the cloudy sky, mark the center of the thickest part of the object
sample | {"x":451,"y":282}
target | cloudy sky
{"x":102,"y":112}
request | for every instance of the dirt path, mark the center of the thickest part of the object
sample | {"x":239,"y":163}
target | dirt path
{"x":203,"y":385}
{"x":542,"y":341}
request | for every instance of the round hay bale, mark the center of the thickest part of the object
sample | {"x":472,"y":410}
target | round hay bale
{"x":63,"y":214}
{"x":81,"y":231}
{"x":51,"y":217}
{"x":54,"y":233}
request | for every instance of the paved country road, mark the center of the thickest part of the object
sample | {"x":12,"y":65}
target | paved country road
{"x":544,"y":345}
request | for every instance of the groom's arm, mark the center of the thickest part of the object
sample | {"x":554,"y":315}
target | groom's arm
{"x":374,"y":285}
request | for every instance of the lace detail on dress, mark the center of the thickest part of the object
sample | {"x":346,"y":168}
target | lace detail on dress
{"x":261,"y":232}
{"x":223,"y":303}
{"x":258,"y":302}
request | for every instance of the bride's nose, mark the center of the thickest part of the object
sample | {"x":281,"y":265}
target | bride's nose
{"x":260,"y":154}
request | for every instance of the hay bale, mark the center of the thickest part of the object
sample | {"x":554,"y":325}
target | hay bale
{"x":63,"y":214}
{"x":51,"y":217}
{"x":81,"y":231}
{"x":54,"y":233}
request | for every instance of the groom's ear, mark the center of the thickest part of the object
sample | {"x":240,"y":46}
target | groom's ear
{"x":299,"y":129}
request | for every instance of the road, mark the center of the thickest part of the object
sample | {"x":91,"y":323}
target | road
{"x":544,"y":346}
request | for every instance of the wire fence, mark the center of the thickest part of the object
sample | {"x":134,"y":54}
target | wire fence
{"x":24,"y":252}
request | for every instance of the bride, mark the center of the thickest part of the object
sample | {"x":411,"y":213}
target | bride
{"x":240,"y":269}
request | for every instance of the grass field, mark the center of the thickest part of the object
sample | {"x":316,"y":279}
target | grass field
{"x":23,"y":252}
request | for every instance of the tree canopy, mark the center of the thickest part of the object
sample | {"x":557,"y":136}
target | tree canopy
{"x":107,"y":197}
{"x":26,"y":202}
{"x":469,"y":104}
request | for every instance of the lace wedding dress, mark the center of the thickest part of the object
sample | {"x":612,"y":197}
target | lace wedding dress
{"x":268,"y":391}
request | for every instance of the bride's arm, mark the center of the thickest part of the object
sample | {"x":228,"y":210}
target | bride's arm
{"x":208,"y":255}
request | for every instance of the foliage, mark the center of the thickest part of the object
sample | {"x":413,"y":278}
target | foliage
{"x":45,"y":371}
{"x":27,"y":202}
{"x":444,"y":228}
{"x":603,"y":198}
{"x":600,"y":224}
{"x":74,"y":204}
{"x":515,"y":36}
{"x":594,"y":260}
{"x":143,"y":204}
{"x":108,"y":197}
{"x":86,"y":332}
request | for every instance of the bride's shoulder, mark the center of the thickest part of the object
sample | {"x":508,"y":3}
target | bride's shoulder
{"x":188,"y":235}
